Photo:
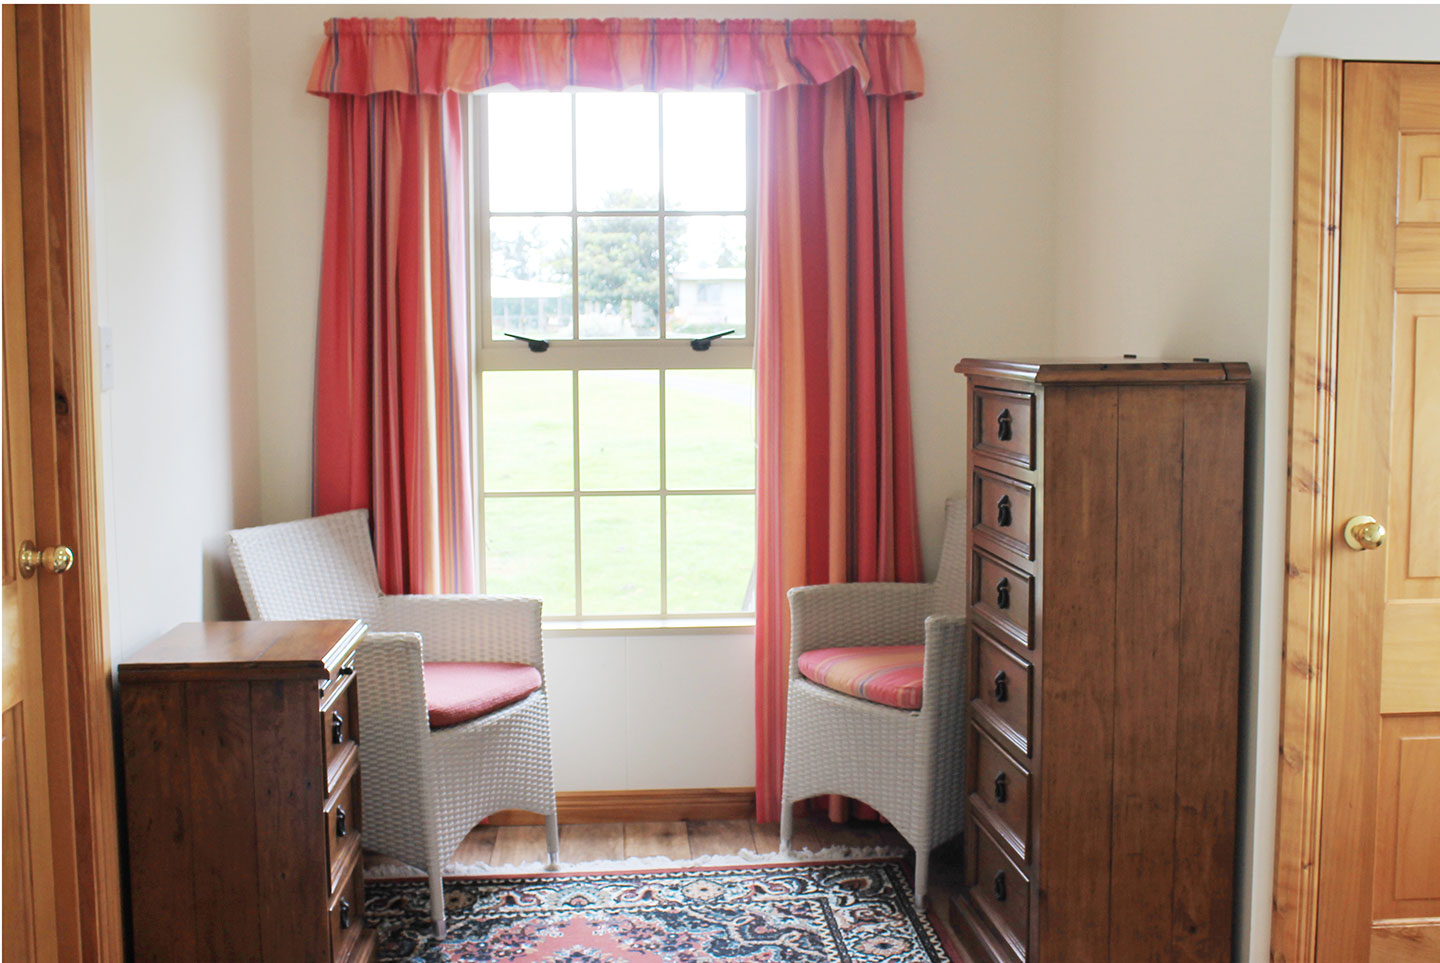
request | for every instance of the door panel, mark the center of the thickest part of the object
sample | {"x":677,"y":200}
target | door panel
{"x":1380,"y":830}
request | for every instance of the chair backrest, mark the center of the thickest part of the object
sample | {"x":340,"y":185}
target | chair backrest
{"x":950,"y":588}
{"x":315,"y":568}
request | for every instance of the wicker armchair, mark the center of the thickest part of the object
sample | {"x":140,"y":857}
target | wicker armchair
{"x":423,"y":789}
{"x":908,"y":765}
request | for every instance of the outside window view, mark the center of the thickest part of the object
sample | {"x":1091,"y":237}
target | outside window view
{"x":622,"y":488}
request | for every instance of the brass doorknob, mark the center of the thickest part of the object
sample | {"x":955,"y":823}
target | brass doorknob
{"x":1363,"y":532}
{"x":57,"y":559}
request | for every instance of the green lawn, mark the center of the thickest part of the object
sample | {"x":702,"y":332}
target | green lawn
{"x":530,"y":540}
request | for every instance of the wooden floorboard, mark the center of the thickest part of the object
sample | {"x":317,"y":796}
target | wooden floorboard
{"x":670,"y":839}
{"x":720,"y":837}
{"x":586,"y":842}
{"x":478,"y":847}
{"x":518,"y":844}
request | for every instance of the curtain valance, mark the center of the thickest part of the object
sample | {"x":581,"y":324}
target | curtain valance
{"x":431,"y":56}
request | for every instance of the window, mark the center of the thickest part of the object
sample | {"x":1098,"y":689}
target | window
{"x":616,"y":462}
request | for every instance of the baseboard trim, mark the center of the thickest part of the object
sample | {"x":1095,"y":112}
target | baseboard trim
{"x":641,"y":806}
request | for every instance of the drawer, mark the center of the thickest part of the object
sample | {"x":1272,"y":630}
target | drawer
{"x":1004,"y":510}
{"x":337,"y":732}
{"x":342,"y":826}
{"x":1000,"y":691}
{"x":999,"y":889}
{"x":1004,"y":425}
{"x":1001,"y":792}
{"x":347,"y":913}
{"x":1002,"y":594}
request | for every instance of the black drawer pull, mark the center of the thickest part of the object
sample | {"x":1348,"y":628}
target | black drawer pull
{"x":1002,"y":686}
{"x":1002,"y":425}
{"x":346,"y":670}
{"x":1003,"y":515}
{"x":1000,"y":891}
{"x":344,"y":913}
{"x":1002,"y":787}
{"x":337,"y":728}
{"x":1002,"y":594}
{"x":340,"y":829}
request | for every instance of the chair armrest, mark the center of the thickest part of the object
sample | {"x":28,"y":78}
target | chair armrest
{"x":468,"y":628}
{"x":857,"y":613}
{"x":394,"y":724}
{"x":946,"y":664}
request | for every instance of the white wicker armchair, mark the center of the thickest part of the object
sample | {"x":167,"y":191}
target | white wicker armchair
{"x":908,"y":765}
{"x":422,"y":790}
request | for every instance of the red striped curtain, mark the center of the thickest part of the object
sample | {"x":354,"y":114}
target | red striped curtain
{"x":392,"y":386}
{"x":836,"y":486}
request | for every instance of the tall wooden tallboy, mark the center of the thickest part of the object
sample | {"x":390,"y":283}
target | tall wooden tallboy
{"x":1106,"y":505}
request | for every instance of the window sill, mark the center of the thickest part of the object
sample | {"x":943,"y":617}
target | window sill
{"x":715,"y":625}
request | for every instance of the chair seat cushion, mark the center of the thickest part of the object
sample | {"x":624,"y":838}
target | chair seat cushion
{"x":892,"y":675}
{"x":457,"y":692}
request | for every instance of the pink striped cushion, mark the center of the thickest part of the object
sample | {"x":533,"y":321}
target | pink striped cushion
{"x":891,"y":675}
{"x":457,"y":692}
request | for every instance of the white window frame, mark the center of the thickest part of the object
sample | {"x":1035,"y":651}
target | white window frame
{"x":599,"y":354}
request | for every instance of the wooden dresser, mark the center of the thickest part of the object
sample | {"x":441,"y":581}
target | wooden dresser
{"x":242,"y":795}
{"x":1106,"y":508}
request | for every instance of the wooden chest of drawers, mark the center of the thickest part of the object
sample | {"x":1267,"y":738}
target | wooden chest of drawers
{"x":1105,"y":575}
{"x":242,"y":794}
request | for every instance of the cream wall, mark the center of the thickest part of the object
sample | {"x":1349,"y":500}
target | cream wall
{"x":645,"y":711}
{"x":174,"y":284}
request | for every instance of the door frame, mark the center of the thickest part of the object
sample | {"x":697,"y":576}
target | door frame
{"x":1314,"y":334}
{"x":53,"y":89}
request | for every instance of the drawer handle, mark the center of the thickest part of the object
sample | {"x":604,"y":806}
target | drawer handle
{"x":344,"y":913}
{"x":337,"y":728}
{"x":1002,"y":787}
{"x":1002,"y":425}
{"x":1002,"y":686}
{"x":346,"y":670}
{"x":1002,"y":594}
{"x":1003,"y":515}
{"x":340,"y":829}
{"x":1000,"y":889}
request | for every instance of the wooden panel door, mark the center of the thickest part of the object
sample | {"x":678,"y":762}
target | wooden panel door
{"x":1380,"y":828}
{"x":28,"y":894}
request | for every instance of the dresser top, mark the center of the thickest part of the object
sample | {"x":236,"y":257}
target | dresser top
{"x":1107,"y":371}
{"x":272,"y":650}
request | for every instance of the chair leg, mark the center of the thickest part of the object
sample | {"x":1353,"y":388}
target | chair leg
{"x":922,"y":877}
{"x":787,"y":824}
{"x":552,"y":840}
{"x":437,"y":901}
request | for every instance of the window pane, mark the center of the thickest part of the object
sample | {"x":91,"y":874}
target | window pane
{"x":530,"y":287}
{"x":529,"y":156}
{"x":620,"y":554}
{"x":530,"y":550}
{"x":705,"y":168}
{"x":528,"y":426}
{"x":710,"y":429}
{"x":710,"y":545}
{"x":619,"y":430}
{"x":705,"y":276}
{"x":619,"y":277}
{"x":617,"y":151}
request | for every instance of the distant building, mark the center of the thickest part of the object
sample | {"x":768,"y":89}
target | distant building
{"x":537,"y":309}
{"x":707,"y":300}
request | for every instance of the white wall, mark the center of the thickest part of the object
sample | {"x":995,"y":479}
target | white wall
{"x":174,"y":283}
{"x":1164,"y":236}
{"x":980,"y":183}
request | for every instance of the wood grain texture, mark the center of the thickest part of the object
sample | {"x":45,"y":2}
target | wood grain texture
{"x":670,"y":839}
{"x":1407,"y":872}
{"x":1119,"y":371}
{"x":521,"y":844}
{"x":1077,"y":688}
{"x":1418,"y":943}
{"x":602,"y":841}
{"x":1207,"y":702}
{"x":1309,"y":525}
{"x":1150,"y":450}
{"x":221,"y":650}
{"x":52,"y":92}
{"x":714,"y":837}
{"x":652,"y":805}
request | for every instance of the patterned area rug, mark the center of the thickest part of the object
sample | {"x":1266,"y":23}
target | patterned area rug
{"x":858,"y":911}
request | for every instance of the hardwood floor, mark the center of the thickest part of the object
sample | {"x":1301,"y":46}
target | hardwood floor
{"x":583,"y":842}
